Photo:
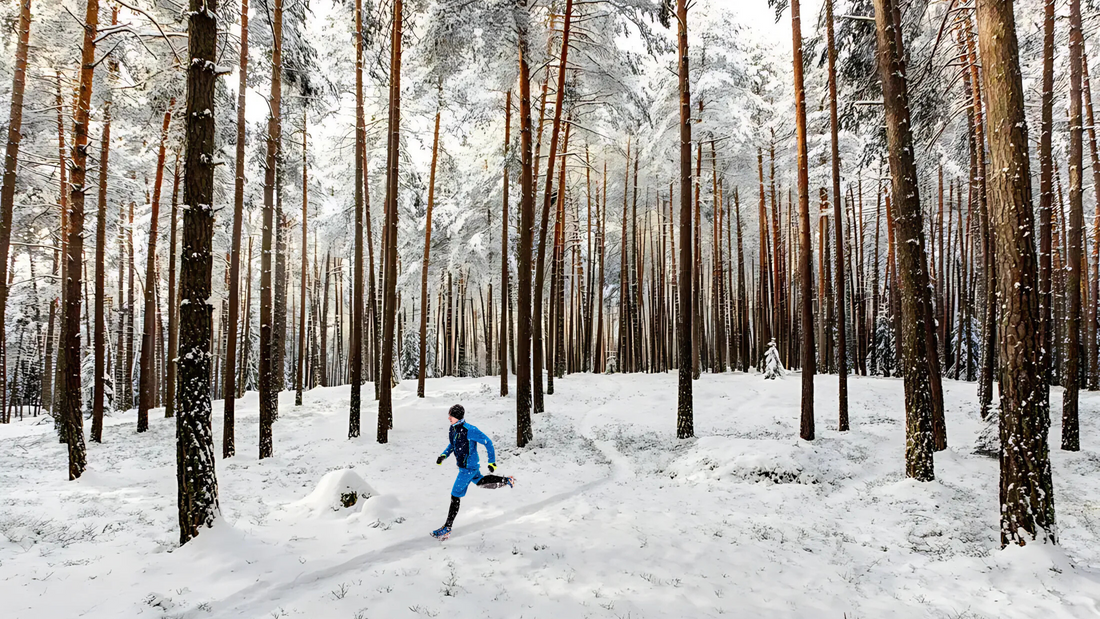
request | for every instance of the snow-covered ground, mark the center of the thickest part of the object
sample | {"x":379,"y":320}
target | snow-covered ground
{"x":611,"y":516}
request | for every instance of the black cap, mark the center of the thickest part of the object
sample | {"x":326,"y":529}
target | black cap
{"x":457,"y":411}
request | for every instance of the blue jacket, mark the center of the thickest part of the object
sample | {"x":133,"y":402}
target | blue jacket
{"x":464,"y":438}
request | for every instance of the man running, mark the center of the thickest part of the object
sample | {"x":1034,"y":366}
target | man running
{"x":463,"y":443}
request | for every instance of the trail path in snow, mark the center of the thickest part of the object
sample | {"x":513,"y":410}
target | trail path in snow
{"x":264,"y":595}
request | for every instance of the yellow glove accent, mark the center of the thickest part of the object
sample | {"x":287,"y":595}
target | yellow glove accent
{"x":492,"y":467}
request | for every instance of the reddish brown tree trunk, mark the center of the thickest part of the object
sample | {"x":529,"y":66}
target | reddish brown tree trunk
{"x":389,"y":280}
{"x":229,"y":448}
{"x":100,"y":337}
{"x":7,"y":193}
{"x":548,"y":197}
{"x":685,"y":416}
{"x":173,"y":304}
{"x":1046,"y":195}
{"x":147,"y":392}
{"x":1071,"y":435}
{"x":911,"y":267}
{"x":427,"y":249}
{"x":526,"y":232}
{"x":1026,"y":488}
{"x":809,"y":366}
{"x":69,"y":346}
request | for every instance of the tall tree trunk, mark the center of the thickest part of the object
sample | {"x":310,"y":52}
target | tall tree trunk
{"x":301,"y":373}
{"x":128,"y":367}
{"x":1026,"y":489}
{"x":7,"y":193}
{"x":556,"y":350}
{"x":622,"y":356}
{"x":685,"y":416}
{"x":764,"y":326}
{"x":526,"y":231}
{"x":1046,"y":196}
{"x":779,"y":315}
{"x":389,"y":280}
{"x":269,"y":394}
{"x":198,"y":485}
{"x":911,"y":268}
{"x":809,"y":367}
{"x":989,"y":335}
{"x":229,"y":448}
{"x":1071,"y":434}
{"x":742,"y":297}
{"x":100,"y":337}
{"x":826,"y":304}
{"x":147,"y":393}
{"x":173,"y":304}
{"x":1094,"y":277}
{"x":427,"y":248}
{"x":279,"y":299}
{"x":876,"y":252}
{"x":838,"y":216}
{"x":54,"y":376}
{"x":355,"y":356}
{"x":120,"y":338}
{"x":71,"y":412}
{"x":505,"y":295}
{"x":548,"y":197}
{"x":246,"y":336}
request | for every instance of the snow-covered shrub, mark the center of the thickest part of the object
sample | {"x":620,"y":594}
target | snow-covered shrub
{"x":988,"y":442}
{"x":884,"y":362}
{"x":773,"y":366}
{"x":410,"y":354}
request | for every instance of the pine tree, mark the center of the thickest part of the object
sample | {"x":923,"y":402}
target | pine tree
{"x":911,"y":262}
{"x":1027,"y":491}
{"x":229,"y":448}
{"x":7,"y":192}
{"x":198,"y":485}
{"x":526,"y":231}
{"x":269,"y":394}
{"x":685,"y":425}
{"x":69,"y":374}
{"x":1071,"y":433}
{"x":146,"y":396}
{"x":389,"y":279}
{"x":773,"y":365}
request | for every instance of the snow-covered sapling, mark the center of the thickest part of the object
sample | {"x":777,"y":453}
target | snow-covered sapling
{"x":773,"y":366}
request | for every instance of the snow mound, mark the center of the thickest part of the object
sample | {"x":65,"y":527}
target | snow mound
{"x":988,"y":442}
{"x":341,"y":490}
{"x":721,"y":458}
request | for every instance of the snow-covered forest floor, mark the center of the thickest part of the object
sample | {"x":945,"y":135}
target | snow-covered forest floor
{"x":611,"y":516}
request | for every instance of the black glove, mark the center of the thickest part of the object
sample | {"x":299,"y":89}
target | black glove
{"x":492,"y":467}
{"x":440,"y":459}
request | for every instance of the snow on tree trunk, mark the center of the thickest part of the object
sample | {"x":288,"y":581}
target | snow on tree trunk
{"x":198,"y":485}
{"x":526,"y":233}
{"x":269,"y":394}
{"x":1071,"y":433}
{"x":685,"y":417}
{"x":913,"y":283}
{"x":1026,"y":489}
{"x":229,"y":448}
